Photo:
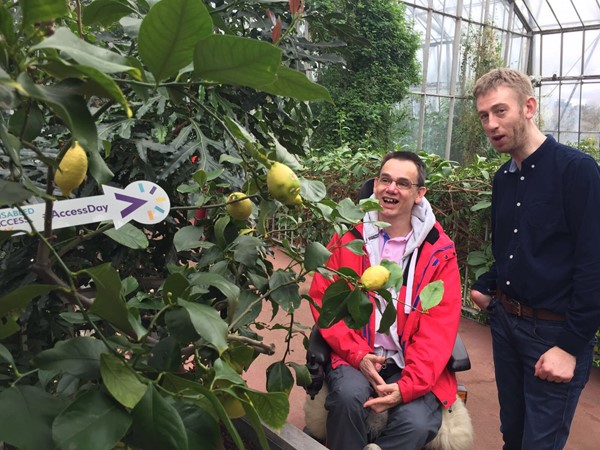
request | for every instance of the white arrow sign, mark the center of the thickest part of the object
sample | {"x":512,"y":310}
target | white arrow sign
{"x":141,"y":201}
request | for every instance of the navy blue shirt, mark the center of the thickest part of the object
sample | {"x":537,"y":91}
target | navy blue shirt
{"x":546,"y":238}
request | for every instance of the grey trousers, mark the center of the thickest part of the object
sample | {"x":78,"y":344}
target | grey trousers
{"x":410,"y":425}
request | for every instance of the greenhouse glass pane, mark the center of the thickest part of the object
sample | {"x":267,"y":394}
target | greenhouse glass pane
{"x":590,"y":109}
{"x":592,"y":47}
{"x":588,"y":11}
{"x":543,"y":14}
{"x":527,"y":13}
{"x":450,"y":7}
{"x":569,"y":107}
{"x":535,"y":54}
{"x":566,"y":13}
{"x":500,"y":14}
{"x":550,"y":55}
{"x":548,"y":107}
{"x":572,"y":47}
{"x":567,"y":137}
{"x":436,"y":124}
{"x":517,"y":55}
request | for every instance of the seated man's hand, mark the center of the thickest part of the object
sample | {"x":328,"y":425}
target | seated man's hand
{"x":389,"y":396}
{"x":370,"y":366}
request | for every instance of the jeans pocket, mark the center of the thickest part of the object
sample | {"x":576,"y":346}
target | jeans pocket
{"x":547,"y":331}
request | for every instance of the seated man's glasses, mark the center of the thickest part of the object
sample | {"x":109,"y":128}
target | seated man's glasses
{"x":401,"y":183}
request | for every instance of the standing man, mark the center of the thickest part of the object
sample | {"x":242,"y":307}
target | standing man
{"x":543,"y":290}
{"x":403,"y":372}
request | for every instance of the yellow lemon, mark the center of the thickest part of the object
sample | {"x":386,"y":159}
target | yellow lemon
{"x":72,"y":169}
{"x":240,"y":210}
{"x":233,"y":406}
{"x":283,"y":184}
{"x":375,"y":277}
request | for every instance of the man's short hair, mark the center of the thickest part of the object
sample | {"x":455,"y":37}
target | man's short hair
{"x":503,"y":76}
{"x":407,"y":156}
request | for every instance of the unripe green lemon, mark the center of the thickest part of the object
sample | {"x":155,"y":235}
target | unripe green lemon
{"x":375,"y":277}
{"x":233,"y":406}
{"x":283,"y":184}
{"x":239,"y":210}
{"x":72,"y":169}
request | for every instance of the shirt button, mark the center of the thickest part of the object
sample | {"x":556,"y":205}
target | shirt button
{"x":510,"y":257}
{"x":515,"y":230}
{"x":522,"y":178}
{"x":507,"y":283}
{"x":533,"y":166}
{"x":518,"y":203}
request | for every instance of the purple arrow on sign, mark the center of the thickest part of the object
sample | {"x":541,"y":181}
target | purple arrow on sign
{"x":135,"y":203}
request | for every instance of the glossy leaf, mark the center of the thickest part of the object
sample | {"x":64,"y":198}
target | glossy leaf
{"x":92,"y":420}
{"x":303,"y":377}
{"x":69,"y":106}
{"x":129,"y":236}
{"x":87,"y":54}
{"x":272,"y":407}
{"x":312,"y":190}
{"x":174,"y":287}
{"x":106,"y":12}
{"x":432,"y":294}
{"x":360,"y":309}
{"x":169,"y":34}
{"x":208,"y":323}
{"x":221,"y":58}
{"x":357,"y":246}
{"x":187,"y":238}
{"x":26,"y":417}
{"x":156,"y":423}
{"x":284,"y":290}
{"x":227,"y":288}
{"x":334,"y":307}
{"x":79,"y":356}
{"x":6,"y":355}
{"x":279,"y":378}
{"x":22,"y":296}
{"x":315,"y":255}
{"x":109,"y":303}
{"x":295,"y":84}
{"x":121,"y":381}
{"x":42,"y":10}
{"x":396,"y":276}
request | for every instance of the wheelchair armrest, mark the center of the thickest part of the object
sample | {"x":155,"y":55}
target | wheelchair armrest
{"x":318,"y":351}
{"x":459,"y":360}
{"x":317,"y":357}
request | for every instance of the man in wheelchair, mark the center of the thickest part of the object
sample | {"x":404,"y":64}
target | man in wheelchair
{"x":404,"y":372}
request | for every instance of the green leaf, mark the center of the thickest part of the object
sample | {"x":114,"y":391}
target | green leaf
{"x":106,"y":12}
{"x":87,"y":54}
{"x":247,"y":250}
{"x":334,"y":307}
{"x":109,"y":303}
{"x":12,"y":193}
{"x":357,"y":246}
{"x":303,"y":377}
{"x":79,"y":356}
{"x":207,"y":323}
{"x":481,"y":205}
{"x":121,"y":381}
{"x":229,"y":289}
{"x":129,"y":236}
{"x":272,"y":407}
{"x":396,"y":276}
{"x":69,"y":105}
{"x":284,"y":290}
{"x":315,"y":255}
{"x":92,"y":420}
{"x":169,"y":33}
{"x":174,"y":287}
{"x":312,"y":190}
{"x":26,"y":417}
{"x":349,"y":211}
{"x":157,"y":424}
{"x":189,"y":237}
{"x":432,"y":294}
{"x":279,"y":378}
{"x":6,"y":355}
{"x":388,"y":317}
{"x":22,"y":296}
{"x":42,"y":10}
{"x":237,"y":60}
{"x":360,"y":309}
{"x":295,"y":84}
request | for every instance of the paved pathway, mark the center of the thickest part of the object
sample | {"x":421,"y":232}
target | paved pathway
{"x":482,"y":398}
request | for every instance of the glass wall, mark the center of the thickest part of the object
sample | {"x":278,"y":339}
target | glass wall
{"x":554,"y":41}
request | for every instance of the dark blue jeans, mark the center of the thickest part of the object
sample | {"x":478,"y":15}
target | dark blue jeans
{"x":534,"y":414}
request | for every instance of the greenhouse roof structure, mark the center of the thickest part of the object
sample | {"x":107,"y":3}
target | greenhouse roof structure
{"x":556,"y":42}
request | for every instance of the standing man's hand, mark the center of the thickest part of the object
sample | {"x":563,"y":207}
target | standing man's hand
{"x":370,"y":366}
{"x":480,"y":299}
{"x":556,"y":365}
